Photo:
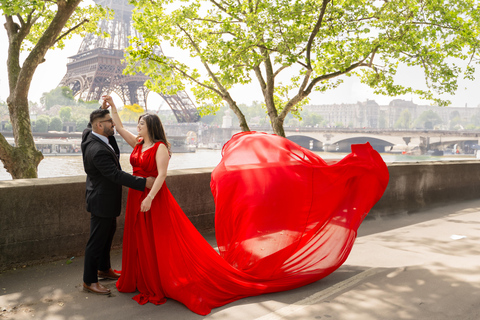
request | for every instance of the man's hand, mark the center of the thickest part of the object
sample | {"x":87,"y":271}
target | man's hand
{"x":107,"y":101}
{"x":150,"y":181}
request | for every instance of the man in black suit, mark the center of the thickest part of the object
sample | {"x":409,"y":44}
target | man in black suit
{"x":105,"y":179}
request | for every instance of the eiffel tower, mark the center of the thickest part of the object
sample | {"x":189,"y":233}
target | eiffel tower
{"x":97,"y":68}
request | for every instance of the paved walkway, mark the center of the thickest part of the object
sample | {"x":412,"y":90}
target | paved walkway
{"x":420,"y":266}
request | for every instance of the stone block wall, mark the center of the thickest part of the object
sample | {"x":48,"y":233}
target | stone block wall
{"x":45,"y":219}
{"x":416,"y":186}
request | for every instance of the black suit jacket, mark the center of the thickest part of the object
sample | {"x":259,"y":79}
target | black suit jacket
{"x":105,"y":176}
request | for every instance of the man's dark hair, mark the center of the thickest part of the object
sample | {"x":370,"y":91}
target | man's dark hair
{"x":97,"y":114}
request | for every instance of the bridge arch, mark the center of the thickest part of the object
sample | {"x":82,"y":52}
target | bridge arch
{"x":307,"y":142}
{"x":345,"y":145}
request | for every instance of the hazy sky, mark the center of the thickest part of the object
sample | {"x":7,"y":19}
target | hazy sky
{"x":49,"y":74}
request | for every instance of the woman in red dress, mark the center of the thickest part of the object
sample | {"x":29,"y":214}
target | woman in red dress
{"x":284,"y":218}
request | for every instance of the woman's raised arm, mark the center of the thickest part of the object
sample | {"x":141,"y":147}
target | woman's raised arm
{"x":129,"y":137}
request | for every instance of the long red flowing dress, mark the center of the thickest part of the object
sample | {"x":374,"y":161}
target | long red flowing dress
{"x":284,"y":218}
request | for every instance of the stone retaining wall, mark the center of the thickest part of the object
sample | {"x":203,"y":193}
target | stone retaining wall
{"x":45,"y":219}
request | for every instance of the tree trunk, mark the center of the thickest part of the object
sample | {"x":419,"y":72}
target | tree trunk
{"x":238,"y":112}
{"x":277,"y":126}
{"x":22,"y":160}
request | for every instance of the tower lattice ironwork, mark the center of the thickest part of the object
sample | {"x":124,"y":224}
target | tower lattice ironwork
{"x":97,"y":68}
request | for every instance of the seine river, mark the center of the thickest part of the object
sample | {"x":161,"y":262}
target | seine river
{"x":60,"y":166}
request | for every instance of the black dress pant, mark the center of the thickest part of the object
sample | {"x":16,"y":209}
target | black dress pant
{"x":97,"y":252}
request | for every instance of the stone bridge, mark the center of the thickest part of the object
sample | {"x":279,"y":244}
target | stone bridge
{"x":330,"y":139}
{"x":382,"y":140}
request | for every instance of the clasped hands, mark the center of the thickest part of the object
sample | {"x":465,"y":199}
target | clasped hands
{"x":107,"y":101}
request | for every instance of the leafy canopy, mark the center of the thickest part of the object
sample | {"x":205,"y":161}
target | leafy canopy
{"x":312,"y":42}
{"x":38,"y":14}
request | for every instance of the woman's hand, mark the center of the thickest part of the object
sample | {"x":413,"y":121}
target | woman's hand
{"x":104,"y":105}
{"x":107,"y":102}
{"x":146,"y":204}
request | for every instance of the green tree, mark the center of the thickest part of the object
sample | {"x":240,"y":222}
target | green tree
{"x":56,"y":124}
{"x":59,"y":96}
{"x":34,"y":27}
{"x":314,"y":43}
{"x":81,"y":124}
{"x":91,"y":105}
{"x":254,"y":114}
{"x":428,"y":120}
{"x":456,"y":123}
{"x":476,"y":119}
{"x":8,"y":126}
{"x":311,"y":119}
{"x":41,"y":124}
{"x":404,"y":121}
{"x":65,"y":114}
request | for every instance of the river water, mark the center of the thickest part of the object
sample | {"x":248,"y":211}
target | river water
{"x":72,"y":165}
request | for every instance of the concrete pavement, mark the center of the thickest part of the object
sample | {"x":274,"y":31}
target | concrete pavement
{"x":420,"y":266}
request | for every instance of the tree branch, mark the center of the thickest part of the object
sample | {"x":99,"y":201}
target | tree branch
{"x":259,"y":75}
{"x":222,"y":90}
{"x":5,"y":148}
{"x":190,"y":77}
{"x":224,"y":10}
{"x":279,"y":70}
{"x":334,"y":74}
{"x":315,"y":31}
{"x":71,"y":30}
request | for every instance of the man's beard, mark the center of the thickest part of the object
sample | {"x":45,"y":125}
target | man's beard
{"x":109,"y":132}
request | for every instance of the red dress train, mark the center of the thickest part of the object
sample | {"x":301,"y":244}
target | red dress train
{"x":283,"y":218}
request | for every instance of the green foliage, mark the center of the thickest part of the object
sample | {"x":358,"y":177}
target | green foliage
{"x":8,"y":126}
{"x":470,"y":126}
{"x":41,"y":13}
{"x":456,"y":123}
{"x":65,"y":114}
{"x":56,"y":124}
{"x":311,"y":119}
{"x":59,"y":96}
{"x":92,"y":105}
{"x":428,"y":120}
{"x":81,"y":124}
{"x":35,"y":27}
{"x":314,"y":43}
{"x":41,"y":124}
{"x":255,"y":114}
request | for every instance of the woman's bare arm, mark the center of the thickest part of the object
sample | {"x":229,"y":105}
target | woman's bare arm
{"x":129,"y":137}
{"x":161,"y":158}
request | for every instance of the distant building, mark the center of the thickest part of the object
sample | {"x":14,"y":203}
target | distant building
{"x":370,"y":114}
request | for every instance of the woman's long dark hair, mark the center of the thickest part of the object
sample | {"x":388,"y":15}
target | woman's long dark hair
{"x":155,"y":129}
